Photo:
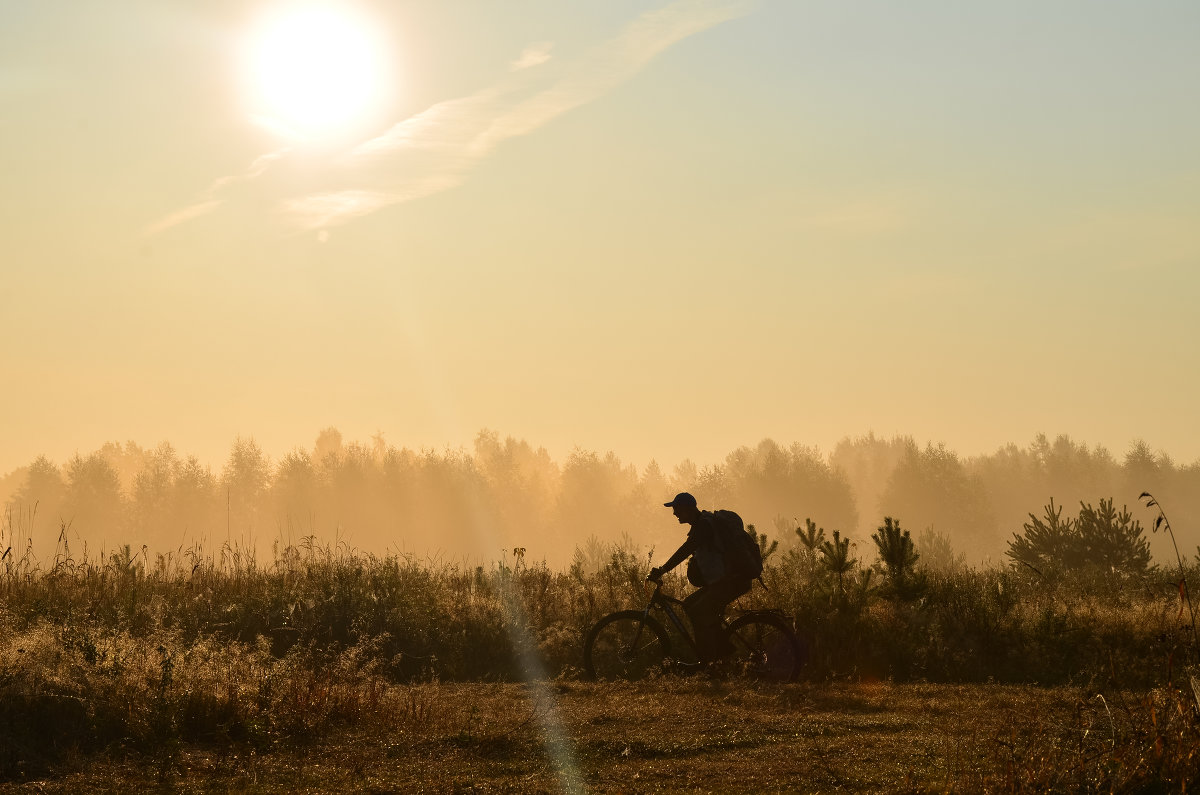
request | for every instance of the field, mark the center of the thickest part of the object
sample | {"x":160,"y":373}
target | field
{"x":331,"y":671}
{"x":675,"y":735}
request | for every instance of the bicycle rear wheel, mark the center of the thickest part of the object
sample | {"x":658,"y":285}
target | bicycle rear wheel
{"x":765,"y":648}
{"x":625,"y":645}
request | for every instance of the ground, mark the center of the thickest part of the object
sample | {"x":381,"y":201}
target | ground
{"x":672,"y":735}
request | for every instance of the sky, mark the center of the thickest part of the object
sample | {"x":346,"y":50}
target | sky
{"x":664,"y":229}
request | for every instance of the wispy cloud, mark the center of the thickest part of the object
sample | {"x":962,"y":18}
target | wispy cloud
{"x":181,"y":216}
{"x":534,"y":55}
{"x":209,"y":200}
{"x":436,"y":149}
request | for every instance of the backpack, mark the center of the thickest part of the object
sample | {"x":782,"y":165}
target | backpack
{"x":743,"y":557}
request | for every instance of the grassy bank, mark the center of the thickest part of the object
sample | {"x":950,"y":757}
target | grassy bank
{"x":193,"y":653}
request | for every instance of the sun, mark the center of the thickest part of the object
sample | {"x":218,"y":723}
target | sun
{"x":314,"y":70}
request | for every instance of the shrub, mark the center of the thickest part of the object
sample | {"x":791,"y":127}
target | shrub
{"x":1101,"y":541}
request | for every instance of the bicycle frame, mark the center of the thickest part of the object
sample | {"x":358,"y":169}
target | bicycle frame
{"x":764,"y":642}
{"x":663,"y":602}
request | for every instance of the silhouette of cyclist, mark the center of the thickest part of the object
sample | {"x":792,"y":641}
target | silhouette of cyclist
{"x":707,"y":569}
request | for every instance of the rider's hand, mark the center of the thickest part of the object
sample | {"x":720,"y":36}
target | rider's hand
{"x":655,"y":575}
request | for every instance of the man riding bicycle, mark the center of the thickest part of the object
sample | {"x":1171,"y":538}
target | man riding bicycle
{"x":719,"y":582}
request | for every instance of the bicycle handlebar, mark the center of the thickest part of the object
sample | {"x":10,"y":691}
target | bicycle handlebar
{"x":657,"y":597}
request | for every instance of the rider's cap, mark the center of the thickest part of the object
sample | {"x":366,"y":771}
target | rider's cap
{"x":682,"y":498}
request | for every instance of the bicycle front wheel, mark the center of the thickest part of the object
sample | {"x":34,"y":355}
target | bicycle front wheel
{"x":625,"y":645}
{"x":765,"y":648}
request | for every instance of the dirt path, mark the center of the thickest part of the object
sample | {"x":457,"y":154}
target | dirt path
{"x":679,"y":735}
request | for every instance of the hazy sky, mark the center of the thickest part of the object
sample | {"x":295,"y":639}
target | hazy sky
{"x":664,"y":229}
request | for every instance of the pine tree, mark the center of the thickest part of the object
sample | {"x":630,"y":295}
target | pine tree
{"x":766,"y":547}
{"x":899,"y":558}
{"x":835,"y":557}
{"x":1113,"y":541}
{"x":1100,"y":540}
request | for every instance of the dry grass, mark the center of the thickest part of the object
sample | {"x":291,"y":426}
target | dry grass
{"x":692,"y":735}
{"x":329,"y":671}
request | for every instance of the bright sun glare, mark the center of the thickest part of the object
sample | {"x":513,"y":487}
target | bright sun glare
{"x":314,"y":70}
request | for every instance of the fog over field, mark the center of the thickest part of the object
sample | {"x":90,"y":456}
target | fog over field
{"x":476,"y":505}
{"x":670,"y":230}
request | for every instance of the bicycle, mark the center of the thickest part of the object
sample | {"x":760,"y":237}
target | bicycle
{"x":631,"y":644}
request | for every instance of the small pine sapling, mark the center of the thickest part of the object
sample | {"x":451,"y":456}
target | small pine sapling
{"x":899,"y":558}
{"x":835,"y":558}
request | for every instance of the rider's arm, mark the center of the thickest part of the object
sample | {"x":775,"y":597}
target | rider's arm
{"x":680,"y":556}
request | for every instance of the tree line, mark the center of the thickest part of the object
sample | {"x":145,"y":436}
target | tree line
{"x":504,"y":493}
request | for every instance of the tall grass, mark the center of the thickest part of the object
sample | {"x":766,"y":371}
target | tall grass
{"x":460,"y":622}
{"x":216,"y":647}
{"x":1148,"y":742}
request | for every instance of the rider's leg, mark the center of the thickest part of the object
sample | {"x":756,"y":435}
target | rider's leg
{"x":705,"y":608}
